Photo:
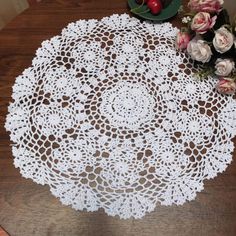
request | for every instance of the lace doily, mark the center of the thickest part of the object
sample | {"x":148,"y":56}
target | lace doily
{"x":110,"y":116}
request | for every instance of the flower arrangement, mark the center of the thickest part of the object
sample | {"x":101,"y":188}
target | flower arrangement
{"x":210,"y":39}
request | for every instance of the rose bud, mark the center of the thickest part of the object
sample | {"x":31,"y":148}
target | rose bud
{"x":224,"y":67}
{"x":202,"y":22}
{"x":182,"y":40}
{"x":226,"y":86}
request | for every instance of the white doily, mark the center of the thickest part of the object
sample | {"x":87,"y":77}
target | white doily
{"x":110,"y":116}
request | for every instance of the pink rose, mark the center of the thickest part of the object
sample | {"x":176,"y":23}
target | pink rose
{"x":202,"y":22}
{"x":182,"y":40}
{"x":226,"y":86}
{"x":210,"y":6}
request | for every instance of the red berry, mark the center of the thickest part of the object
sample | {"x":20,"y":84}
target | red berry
{"x":155,"y":6}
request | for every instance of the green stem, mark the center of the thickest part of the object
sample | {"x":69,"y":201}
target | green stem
{"x":189,"y":14}
{"x":234,"y":77}
{"x":184,"y":29}
{"x":136,"y":8}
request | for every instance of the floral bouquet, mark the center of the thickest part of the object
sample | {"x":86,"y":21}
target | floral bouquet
{"x":209,"y":39}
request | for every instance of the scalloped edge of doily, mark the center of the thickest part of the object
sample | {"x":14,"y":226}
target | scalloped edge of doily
{"x":136,"y":218}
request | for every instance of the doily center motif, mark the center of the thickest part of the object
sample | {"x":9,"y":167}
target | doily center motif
{"x":127,"y":105}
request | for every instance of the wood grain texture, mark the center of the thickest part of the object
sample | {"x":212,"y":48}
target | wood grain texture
{"x":28,"y":209}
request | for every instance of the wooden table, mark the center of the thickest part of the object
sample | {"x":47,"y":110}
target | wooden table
{"x":28,"y":209}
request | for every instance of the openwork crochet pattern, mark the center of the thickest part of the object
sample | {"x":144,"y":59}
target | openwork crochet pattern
{"x":110,"y":116}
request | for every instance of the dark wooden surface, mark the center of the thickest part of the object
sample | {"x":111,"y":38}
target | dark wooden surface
{"x":28,"y":209}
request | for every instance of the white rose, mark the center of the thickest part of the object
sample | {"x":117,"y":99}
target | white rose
{"x":223,"y":40}
{"x":199,"y":50}
{"x":224,"y":67}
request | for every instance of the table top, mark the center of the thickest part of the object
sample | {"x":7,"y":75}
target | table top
{"x":29,"y":209}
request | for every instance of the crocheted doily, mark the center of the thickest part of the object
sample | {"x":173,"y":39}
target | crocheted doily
{"x":110,"y":116}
